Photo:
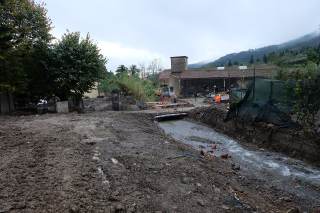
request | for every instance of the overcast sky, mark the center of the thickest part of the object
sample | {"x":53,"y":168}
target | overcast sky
{"x":136,"y":31}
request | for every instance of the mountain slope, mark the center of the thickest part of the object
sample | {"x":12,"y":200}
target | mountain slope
{"x":309,"y":40}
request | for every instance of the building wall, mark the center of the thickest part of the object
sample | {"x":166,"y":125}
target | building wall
{"x":175,"y":84}
{"x":205,"y":86}
{"x":93,"y":93}
{"x":179,"y":64}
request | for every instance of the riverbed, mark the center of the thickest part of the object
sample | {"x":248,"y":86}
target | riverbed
{"x":285,"y":173}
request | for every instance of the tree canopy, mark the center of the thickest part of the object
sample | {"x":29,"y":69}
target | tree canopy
{"x":32,"y":67}
{"x":24,"y":35}
{"x":76,"y":64}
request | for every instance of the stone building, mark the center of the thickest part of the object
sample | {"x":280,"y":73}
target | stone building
{"x":185,"y":82}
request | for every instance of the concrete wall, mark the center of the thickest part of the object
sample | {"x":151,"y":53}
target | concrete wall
{"x":175,"y":83}
{"x":62,"y":107}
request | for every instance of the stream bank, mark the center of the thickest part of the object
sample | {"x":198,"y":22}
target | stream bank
{"x":292,"y":142}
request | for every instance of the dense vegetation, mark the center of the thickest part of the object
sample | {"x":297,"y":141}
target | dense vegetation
{"x":127,"y":81}
{"x":34,"y":67}
{"x":24,"y":39}
{"x":302,"y":67}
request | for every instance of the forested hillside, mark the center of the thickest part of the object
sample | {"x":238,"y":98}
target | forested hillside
{"x":296,"y":48}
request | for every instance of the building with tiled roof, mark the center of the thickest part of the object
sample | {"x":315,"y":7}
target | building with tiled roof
{"x":185,"y":82}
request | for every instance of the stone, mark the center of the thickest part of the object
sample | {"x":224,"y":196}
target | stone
{"x":185,"y":180}
{"x":119,"y":207}
{"x":235,"y":167}
{"x":115,"y":161}
{"x":200,"y":202}
{"x":73,"y":209}
{"x":286,"y":199}
{"x":225,"y":207}
{"x":225,"y":156}
{"x":293,"y":210}
{"x":62,"y":107}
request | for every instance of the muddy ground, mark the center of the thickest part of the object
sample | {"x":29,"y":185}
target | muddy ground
{"x":120,"y":162}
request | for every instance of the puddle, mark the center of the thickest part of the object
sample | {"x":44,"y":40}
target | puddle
{"x":270,"y":166}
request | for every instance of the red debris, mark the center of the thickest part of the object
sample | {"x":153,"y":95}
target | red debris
{"x":225,"y":156}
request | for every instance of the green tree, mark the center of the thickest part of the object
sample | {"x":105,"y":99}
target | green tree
{"x":77,"y":65}
{"x":108,"y":83}
{"x":122,"y":69}
{"x":24,"y":37}
{"x":251,"y":59}
{"x":313,"y":54}
{"x":134,"y":70}
{"x":229,"y":63}
{"x":265,"y":59}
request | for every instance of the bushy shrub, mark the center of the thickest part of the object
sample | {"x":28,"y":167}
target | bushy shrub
{"x":141,"y":90}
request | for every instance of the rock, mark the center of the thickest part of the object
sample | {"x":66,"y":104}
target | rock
{"x":269,"y":125}
{"x":115,"y":161}
{"x":235,"y":167}
{"x":286,"y":199}
{"x":91,"y":142}
{"x":119,"y":207}
{"x":199,"y":184}
{"x":202,"y":153}
{"x":225,"y":207}
{"x":73,"y":209}
{"x":201,"y":147}
{"x":113,"y":198}
{"x":132,"y":208}
{"x":216,"y":190}
{"x":185,"y":180}
{"x":225,"y":156}
{"x":200,"y":202}
{"x":293,"y":210}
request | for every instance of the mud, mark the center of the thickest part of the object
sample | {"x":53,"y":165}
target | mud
{"x":120,"y":162}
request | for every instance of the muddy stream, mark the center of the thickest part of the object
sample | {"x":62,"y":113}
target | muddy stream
{"x":277,"y":170}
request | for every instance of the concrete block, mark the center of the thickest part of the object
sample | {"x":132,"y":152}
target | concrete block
{"x":62,"y":107}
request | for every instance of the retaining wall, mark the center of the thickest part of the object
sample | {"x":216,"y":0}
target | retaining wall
{"x":292,"y":142}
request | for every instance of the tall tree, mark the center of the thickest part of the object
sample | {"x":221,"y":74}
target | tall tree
{"x":122,"y":69}
{"x":134,"y":71}
{"x":24,"y":36}
{"x":77,"y":65}
{"x":251,"y":59}
{"x":265,"y":59}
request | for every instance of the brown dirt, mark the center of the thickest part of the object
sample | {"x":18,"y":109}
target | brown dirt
{"x":117,"y":162}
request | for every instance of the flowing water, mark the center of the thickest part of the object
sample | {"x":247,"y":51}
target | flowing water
{"x":279,"y":170}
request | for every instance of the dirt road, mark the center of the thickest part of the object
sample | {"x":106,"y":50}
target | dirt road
{"x":118,"y":162}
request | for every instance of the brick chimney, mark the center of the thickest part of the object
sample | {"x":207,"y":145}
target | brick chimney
{"x":179,"y":64}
